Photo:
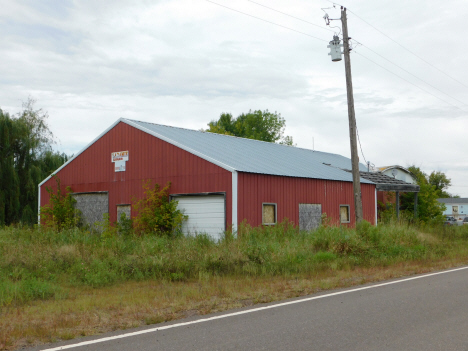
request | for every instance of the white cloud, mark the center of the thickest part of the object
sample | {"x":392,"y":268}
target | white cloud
{"x":183,"y":62}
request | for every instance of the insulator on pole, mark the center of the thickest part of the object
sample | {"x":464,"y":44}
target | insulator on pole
{"x":335,"y":49}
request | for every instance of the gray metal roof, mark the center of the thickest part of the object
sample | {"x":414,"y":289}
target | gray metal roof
{"x":453,"y":200}
{"x":253,"y":156}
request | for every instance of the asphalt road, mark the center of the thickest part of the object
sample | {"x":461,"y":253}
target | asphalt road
{"x":427,"y":313}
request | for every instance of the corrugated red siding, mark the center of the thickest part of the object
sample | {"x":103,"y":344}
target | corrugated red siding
{"x":289,"y":192}
{"x":149,"y":158}
{"x":152,"y":158}
{"x":386,"y":197}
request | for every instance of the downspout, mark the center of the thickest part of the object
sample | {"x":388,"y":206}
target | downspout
{"x":39,"y":205}
{"x":234,"y":202}
{"x":376,"y":206}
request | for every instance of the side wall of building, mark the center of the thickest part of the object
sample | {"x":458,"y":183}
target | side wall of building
{"x":288,"y":192}
{"x":400,"y":174}
{"x":149,"y":158}
{"x":454,"y":209}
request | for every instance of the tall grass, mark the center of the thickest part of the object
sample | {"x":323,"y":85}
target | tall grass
{"x":41,"y":264}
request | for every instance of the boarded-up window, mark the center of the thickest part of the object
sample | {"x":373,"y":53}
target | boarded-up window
{"x":125,"y":209}
{"x":454,"y":209}
{"x":93,"y":206}
{"x":310,"y":216}
{"x":344,"y":213}
{"x":269,"y":214}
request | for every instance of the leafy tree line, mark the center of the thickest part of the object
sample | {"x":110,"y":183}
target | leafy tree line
{"x":26,"y":158}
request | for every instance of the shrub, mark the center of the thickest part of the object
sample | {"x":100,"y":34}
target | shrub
{"x":60,"y":212}
{"x":124,"y":225}
{"x":107,"y":229}
{"x":156,"y":214}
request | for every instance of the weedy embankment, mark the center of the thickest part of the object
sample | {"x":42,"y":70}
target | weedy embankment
{"x":60,"y":285}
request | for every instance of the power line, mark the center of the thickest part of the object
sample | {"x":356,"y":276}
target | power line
{"x":403,"y":47}
{"x":357,"y":131}
{"x":426,"y":91}
{"x":294,"y":30}
{"x":287,"y":14}
{"x":420,"y":79}
{"x":411,"y":52}
{"x":264,"y":20}
{"x":289,"y":29}
{"x":432,"y":86}
{"x":276,"y":24}
{"x":360,"y":146}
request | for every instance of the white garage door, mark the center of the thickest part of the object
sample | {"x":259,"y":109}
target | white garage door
{"x":206,"y":214}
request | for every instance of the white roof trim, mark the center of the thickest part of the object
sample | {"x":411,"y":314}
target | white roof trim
{"x":83,"y":150}
{"x":181,"y":146}
{"x":170,"y":141}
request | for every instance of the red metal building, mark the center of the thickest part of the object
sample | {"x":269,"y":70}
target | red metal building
{"x":218,"y":180}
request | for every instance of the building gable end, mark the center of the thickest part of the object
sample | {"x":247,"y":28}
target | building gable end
{"x":179,"y":145}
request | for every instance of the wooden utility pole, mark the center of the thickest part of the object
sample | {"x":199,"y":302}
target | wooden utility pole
{"x":352,"y":122}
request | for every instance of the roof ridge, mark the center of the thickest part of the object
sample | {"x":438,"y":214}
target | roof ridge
{"x":232,"y":136}
{"x":241,"y":155}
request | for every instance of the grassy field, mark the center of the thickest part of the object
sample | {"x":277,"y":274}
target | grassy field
{"x":64,"y":285}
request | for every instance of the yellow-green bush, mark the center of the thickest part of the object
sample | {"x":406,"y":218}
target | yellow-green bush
{"x":156,"y":214}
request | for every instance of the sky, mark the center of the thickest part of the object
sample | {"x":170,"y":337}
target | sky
{"x":184,"y":62}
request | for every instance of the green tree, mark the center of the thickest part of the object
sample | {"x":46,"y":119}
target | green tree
{"x":26,"y":159}
{"x":429,"y":209}
{"x":9,"y":182}
{"x":50,"y":161}
{"x":441,"y":182}
{"x":258,"y":125}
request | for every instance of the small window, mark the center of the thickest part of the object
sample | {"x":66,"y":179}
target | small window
{"x":269,"y":214}
{"x":125,"y":209}
{"x":344,"y":214}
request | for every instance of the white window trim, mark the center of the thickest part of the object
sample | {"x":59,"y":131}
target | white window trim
{"x":276,"y":213}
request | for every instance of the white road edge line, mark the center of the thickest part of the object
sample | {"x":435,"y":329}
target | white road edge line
{"x":84,"y":343}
